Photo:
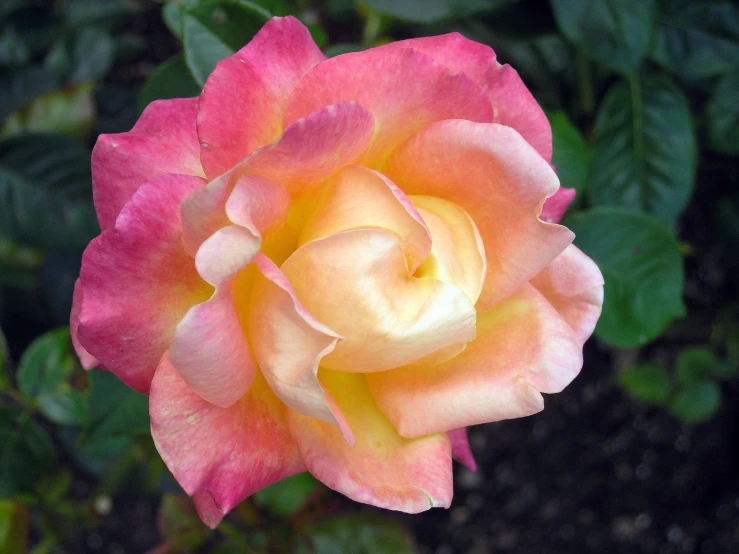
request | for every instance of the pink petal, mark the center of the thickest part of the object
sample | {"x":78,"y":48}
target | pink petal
{"x":162,"y":141}
{"x":210,"y":352}
{"x":523,"y":347}
{"x":138,"y":282}
{"x":491,"y":172}
{"x":402,"y":89}
{"x":573,"y":284}
{"x":288,"y":344}
{"x":461,"y":450}
{"x":220,"y":455}
{"x":309,"y":151}
{"x":87,"y":361}
{"x":244,"y":98}
{"x":358,"y":198}
{"x":359,"y":284}
{"x":556,"y":206}
{"x":513,"y":104}
{"x":381,"y":468}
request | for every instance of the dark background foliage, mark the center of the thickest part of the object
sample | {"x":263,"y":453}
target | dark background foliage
{"x":638,"y":455}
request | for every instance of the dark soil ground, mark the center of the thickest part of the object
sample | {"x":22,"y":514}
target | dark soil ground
{"x":595,"y":473}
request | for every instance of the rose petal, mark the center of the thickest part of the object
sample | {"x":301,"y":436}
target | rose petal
{"x":309,"y":151}
{"x":381,"y":468}
{"x":523,"y":347}
{"x":162,"y":141}
{"x":362,"y":198}
{"x":358,"y":283}
{"x":555,"y":207}
{"x":220,"y":455}
{"x":491,"y":172}
{"x":289,"y":343}
{"x":457,"y":253}
{"x":513,"y":103}
{"x":210,"y":352}
{"x":87,"y":361}
{"x":138,"y":282}
{"x":403,"y":90}
{"x":573,"y":284}
{"x":461,"y":450}
{"x":244,"y":98}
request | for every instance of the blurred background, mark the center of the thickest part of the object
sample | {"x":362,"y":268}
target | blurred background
{"x":638,"y":455}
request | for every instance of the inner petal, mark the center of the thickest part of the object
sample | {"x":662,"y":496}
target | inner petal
{"x":360,"y":198}
{"x":457,"y":253}
{"x":359,"y":283}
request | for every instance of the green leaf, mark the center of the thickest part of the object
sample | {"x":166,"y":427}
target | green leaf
{"x":9,"y":6}
{"x":173,"y":12}
{"x":645,"y":382}
{"x":43,"y":374}
{"x":26,"y":452}
{"x":93,"y":52}
{"x":108,"y":13}
{"x":4,"y":363}
{"x":644,"y":151}
{"x":13,"y":50}
{"x":116,"y":108}
{"x":722,"y":116}
{"x":697,"y":39}
{"x":49,"y":175}
{"x":178,"y":522}
{"x":46,"y":364}
{"x":640,"y":260}
{"x":286,"y":497}
{"x":105,"y":392}
{"x":14,"y":527}
{"x":22,"y":85}
{"x":116,"y":414}
{"x":422,"y":11}
{"x":69,"y":111}
{"x":695,"y":364}
{"x":570,"y":156}
{"x":616,"y":33}
{"x":696,"y":402}
{"x":342,"y":48}
{"x":172,"y":79}
{"x":215,"y":29}
{"x":356,"y":534}
{"x":64,"y":407}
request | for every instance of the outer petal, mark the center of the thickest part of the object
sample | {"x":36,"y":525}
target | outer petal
{"x":358,"y":283}
{"x":309,"y":151}
{"x":87,"y":361}
{"x":523,"y":347}
{"x":220,"y":455}
{"x":496,"y":176}
{"x":403,"y":90}
{"x":513,"y":104}
{"x":138,"y":282}
{"x":362,"y":198}
{"x":289,"y":343}
{"x":573,"y":284}
{"x":162,"y":141}
{"x":243,"y":100}
{"x":381,"y":468}
{"x":461,"y":450}
{"x":555,"y":207}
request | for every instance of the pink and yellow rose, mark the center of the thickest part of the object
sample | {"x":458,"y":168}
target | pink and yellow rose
{"x":334,"y":265}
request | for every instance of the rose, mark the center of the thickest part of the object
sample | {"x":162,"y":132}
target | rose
{"x":377,"y":215}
